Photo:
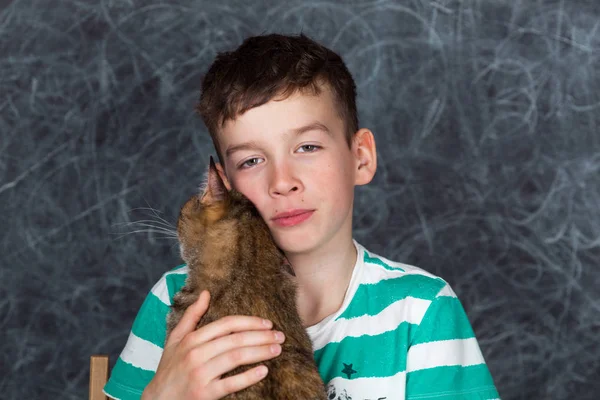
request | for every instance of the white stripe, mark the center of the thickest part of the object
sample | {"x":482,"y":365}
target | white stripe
{"x":160,"y":289}
{"x":141,"y":353}
{"x":374,"y":273}
{"x":109,"y":396}
{"x":389,"y":262}
{"x":446,"y":292}
{"x":370,"y":388}
{"x":463,"y":352}
{"x":409,"y":309}
{"x":408,"y":269}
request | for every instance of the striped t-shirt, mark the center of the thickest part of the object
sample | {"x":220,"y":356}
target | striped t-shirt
{"x":401,"y":333}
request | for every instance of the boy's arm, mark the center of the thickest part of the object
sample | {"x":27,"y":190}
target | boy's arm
{"x":145,"y":366}
{"x":138,"y":361}
{"x":444,"y":360}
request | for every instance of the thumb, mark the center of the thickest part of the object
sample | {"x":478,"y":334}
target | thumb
{"x":190,"y":318}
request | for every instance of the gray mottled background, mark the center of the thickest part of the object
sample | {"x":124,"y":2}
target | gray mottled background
{"x":486,"y":117}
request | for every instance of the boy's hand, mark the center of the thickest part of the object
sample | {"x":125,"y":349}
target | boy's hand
{"x":194,"y":360}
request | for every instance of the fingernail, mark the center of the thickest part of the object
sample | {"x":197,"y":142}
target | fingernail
{"x":279,"y":336}
{"x":267,"y":323}
{"x":275,"y":348}
{"x":261,"y":371}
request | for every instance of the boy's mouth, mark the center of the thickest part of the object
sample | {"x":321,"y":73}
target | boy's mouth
{"x":292,"y":217}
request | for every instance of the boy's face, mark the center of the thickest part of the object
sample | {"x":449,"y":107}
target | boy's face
{"x":291,"y":157}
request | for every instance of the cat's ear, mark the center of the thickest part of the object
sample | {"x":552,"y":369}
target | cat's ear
{"x":214,"y":188}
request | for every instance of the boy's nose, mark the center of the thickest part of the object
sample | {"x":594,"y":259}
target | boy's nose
{"x":283,"y":189}
{"x":293,"y":189}
{"x":283,"y":182}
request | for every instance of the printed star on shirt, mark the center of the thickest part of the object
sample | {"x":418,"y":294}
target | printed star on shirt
{"x":348,"y":370}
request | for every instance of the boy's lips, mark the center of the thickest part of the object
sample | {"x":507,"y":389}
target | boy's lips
{"x":292,"y":217}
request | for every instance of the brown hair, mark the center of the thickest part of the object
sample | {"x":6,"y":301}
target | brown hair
{"x":266,"y":66}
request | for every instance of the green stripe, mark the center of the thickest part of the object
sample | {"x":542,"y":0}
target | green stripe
{"x":174,"y":284}
{"x":370,"y":356}
{"x":151,"y":322}
{"x":451,"y":383}
{"x":127,"y":375}
{"x":444,"y":320}
{"x":371,"y":299}
{"x":376,"y":260}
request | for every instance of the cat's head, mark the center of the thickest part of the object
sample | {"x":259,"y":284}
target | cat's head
{"x":217,"y":222}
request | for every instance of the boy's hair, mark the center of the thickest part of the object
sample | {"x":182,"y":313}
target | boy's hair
{"x":269,"y":66}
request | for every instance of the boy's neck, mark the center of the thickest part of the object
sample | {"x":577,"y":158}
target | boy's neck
{"x":323,"y":277}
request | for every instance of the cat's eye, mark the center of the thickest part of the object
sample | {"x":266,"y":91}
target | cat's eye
{"x":309,"y":148}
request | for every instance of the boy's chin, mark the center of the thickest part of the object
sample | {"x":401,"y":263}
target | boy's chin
{"x":291,"y":246}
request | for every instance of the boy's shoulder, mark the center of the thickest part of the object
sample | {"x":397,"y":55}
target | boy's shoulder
{"x":377,"y":272}
{"x":390,"y":292}
{"x":170,"y":283}
{"x":400,"y":277}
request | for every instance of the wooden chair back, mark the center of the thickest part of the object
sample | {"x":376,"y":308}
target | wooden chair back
{"x":98,"y":376}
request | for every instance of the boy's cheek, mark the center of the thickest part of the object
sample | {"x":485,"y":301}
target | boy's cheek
{"x":235,"y":182}
{"x":249,"y":190}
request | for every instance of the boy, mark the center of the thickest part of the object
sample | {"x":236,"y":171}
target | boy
{"x":282,"y":115}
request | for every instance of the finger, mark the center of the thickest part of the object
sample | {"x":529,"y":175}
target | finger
{"x":227,"y":325}
{"x":238,"y":340}
{"x":190,"y":318}
{"x":232,"y":359}
{"x":232,"y":384}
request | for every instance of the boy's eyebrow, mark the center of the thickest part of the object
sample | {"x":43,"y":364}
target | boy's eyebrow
{"x":314,"y":126}
{"x":242,"y":146}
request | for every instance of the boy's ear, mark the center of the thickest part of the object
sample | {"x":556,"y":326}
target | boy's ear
{"x":365,"y":156}
{"x":215,"y":189}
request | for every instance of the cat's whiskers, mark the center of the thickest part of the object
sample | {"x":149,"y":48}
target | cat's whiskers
{"x":150,"y":227}
{"x":169,"y":237}
{"x":149,"y":223}
{"x":155,"y":212}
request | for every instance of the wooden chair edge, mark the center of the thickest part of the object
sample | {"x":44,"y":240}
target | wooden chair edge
{"x":98,"y":376}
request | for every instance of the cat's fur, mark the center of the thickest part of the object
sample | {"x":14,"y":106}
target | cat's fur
{"x":230,"y":252}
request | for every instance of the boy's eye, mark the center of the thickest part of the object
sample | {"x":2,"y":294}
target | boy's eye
{"x":250,"y":163}
{"x":309,"y":148}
